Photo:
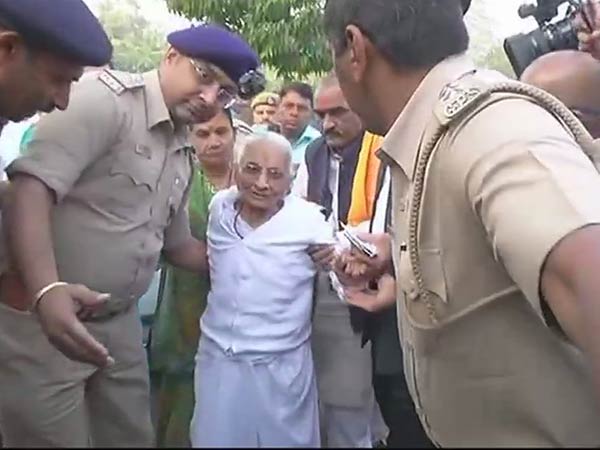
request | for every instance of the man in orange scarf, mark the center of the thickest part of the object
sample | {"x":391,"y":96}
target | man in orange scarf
{"x":364,"y":186}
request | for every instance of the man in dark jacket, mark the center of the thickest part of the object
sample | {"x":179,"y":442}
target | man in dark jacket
{"x":348,"y":410}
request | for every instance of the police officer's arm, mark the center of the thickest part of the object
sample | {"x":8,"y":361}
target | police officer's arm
{"x":536,"y":195}
{"x":181,"y":249}
{"x":65,"y":143}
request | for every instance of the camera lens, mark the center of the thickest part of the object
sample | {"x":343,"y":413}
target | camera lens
{"x":562,"y":35}
{"x":523,"y":49}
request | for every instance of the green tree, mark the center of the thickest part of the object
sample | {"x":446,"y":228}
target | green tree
{"x":286,"y":33}
{"x":486,"y":49}
{"x":138,"y":45}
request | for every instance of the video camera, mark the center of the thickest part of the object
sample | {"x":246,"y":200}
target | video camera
{"x":522,"y":49}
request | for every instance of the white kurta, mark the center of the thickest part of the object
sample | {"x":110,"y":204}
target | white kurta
{"x":255,"y":382}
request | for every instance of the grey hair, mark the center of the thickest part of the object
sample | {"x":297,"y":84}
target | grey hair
{"x":269,"y":136}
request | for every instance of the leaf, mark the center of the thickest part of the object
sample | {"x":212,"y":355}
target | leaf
{"x":287,"y":34}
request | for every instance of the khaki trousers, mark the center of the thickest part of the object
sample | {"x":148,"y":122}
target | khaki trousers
{"x":47,"y":400}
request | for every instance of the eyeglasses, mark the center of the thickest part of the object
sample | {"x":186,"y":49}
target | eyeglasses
{"x":225,"y":98}
{"x":254,"y":171}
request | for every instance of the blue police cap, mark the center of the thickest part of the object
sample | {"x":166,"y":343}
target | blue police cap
{"x":212,"y":43}
{"x":64,"y":27}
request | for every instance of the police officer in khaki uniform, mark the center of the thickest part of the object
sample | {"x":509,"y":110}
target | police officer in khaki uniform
{"x":43,"y":49}
{"x":101,"y":192}
{"x":496,"y":243}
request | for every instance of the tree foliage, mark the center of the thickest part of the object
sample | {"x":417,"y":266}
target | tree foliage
{"x":486,"y":48}
{"x":286,"y":33}
{"x":496,"y":59}
{"x":138,"y":45}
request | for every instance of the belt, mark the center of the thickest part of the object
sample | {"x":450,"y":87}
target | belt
{"x":14,"y":295}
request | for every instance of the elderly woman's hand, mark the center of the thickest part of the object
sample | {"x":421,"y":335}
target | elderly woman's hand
{"x":323,"y":256}
{"x":360,"y":265}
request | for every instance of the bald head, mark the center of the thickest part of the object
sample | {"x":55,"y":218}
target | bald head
{"x":328,"y":81}
{"x":574,"y":78}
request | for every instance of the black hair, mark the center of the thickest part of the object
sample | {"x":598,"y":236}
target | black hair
{"x":408,"y":33}
{"x":304,"y":90}
{"x":227,"y":112}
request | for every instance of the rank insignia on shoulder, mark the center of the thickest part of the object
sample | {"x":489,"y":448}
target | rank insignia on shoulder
{"x":459,"y":97}
{"x":119,"y":82}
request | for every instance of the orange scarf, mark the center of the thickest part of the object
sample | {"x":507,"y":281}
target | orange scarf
{"x":365,"y":180}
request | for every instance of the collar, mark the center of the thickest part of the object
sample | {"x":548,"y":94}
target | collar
{"x":156,"y":109}
{"x":403,"y":140}
{"x":348,"y":151}
{"x":309,"y":134}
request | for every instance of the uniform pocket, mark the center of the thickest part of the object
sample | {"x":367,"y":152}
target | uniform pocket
{"x":134,"y":181}
{"x":137,"y":167}
{"x":432,"y":270}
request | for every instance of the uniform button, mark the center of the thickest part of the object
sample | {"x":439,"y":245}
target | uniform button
{"x":229,"y":352}
{"x":131,"y":297}
{"x":177,"y":181}
{"x":413,"y":294}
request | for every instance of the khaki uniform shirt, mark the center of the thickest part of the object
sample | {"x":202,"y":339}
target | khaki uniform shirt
{"x":502,"y":190}
{"x":120,"y":170}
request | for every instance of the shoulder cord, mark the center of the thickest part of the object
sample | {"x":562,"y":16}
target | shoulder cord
{"x":543,"y":99}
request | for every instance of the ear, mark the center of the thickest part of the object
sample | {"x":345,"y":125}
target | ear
{"x":356,"y":43}
{"x":10,"y":44}
{"x":172,"y":55}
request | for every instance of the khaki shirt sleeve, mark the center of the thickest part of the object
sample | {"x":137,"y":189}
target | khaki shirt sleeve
{"x":66,"y":142}
{"x":179,"y":232}
{"x":528,"y":182}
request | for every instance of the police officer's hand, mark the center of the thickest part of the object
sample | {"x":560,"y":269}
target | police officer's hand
{"x":57,"y":313}
{"x":588,"y":26}
{"x":323,"y":256}
{"x":374,"y":301}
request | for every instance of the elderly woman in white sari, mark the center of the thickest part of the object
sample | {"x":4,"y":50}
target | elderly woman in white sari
{"x":255,"y":382}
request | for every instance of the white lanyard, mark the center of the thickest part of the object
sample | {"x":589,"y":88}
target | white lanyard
{"x":335,"y":197}
{"x":381,"y":204}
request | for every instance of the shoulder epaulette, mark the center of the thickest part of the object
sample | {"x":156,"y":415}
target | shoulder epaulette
{"x":461,"y":96}
{"x":119,"y":82}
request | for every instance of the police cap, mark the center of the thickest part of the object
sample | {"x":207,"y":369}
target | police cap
{"x":226,"y":50}
{"x":265,"y":98}
{"x":66,"y":28}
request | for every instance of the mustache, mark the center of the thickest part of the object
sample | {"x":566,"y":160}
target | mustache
{"x":332,"y":133}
